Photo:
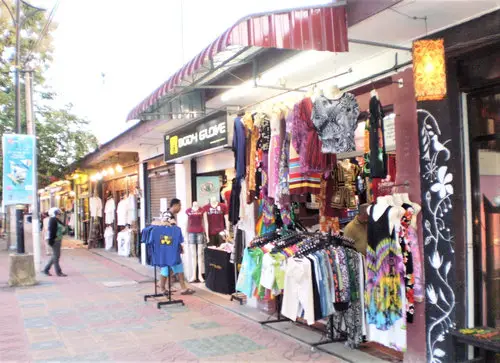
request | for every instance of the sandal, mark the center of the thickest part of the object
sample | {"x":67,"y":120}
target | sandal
{"x":188,"y":292}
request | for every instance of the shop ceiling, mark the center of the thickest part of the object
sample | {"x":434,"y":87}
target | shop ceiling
{"x":397,"y":26}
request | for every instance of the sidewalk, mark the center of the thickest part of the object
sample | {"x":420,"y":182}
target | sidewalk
{"x":297,"y":331}
{"x":98,"y":314}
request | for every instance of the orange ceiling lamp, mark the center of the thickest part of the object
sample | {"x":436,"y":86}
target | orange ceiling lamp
{"x":429,"y":69}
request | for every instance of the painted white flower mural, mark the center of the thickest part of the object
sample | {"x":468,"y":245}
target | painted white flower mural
{"x":443,"y":186}
{"x":438,"y":239}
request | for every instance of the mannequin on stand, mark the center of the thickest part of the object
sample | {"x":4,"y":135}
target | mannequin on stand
{"x":395,"y":213}
{"x":196,"y":241}
{"x":216,"y":221}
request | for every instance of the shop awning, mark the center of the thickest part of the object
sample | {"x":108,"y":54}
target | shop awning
{"x":321,"y":28}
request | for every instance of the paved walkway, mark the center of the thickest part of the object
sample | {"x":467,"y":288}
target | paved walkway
{"x":98,"y":314}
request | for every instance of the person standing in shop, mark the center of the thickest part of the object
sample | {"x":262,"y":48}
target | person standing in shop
{"x":357,"y":229}
{"x":56,"y":230}
{"x":171,"y":217}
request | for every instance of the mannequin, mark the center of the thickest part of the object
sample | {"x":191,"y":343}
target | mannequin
{"x":416,"y":208}
{"x":196,"y":241}
{"x":216,"y":220}
{"x":395,"y":213}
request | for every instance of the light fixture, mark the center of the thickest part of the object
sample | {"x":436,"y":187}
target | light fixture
{"x":98,"y":176}
{"x":104,"y":172}
{"x":93,"y":178}
{"x":429,"y":69}
{"x":111,"y":171}
{"x":118,"y":168}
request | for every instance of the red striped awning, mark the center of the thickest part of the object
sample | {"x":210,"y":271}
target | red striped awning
{"x":322,"y":28}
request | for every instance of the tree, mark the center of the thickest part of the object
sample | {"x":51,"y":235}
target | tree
{"x":63,"y":137}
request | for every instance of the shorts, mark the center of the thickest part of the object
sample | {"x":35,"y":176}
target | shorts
{"x":196,"y":238}
{"x":176,"y":270}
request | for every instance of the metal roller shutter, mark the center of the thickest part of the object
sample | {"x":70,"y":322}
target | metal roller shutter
{"x":161,"y":185}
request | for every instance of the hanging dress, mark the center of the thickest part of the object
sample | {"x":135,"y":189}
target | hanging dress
{"x":385,"y":287}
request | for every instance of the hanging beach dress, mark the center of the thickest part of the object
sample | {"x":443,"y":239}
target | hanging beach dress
{"x":385,"y":274}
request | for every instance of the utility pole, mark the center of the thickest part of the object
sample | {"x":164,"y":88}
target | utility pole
{"x":31,"y":128}
{"x":19,"y":208}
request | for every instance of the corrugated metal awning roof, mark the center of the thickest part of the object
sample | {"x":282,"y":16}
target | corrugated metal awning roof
{"x":321,"y":28}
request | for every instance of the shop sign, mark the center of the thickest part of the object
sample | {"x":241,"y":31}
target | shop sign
{"x":18,"y":173}
{"x":196,"y":138}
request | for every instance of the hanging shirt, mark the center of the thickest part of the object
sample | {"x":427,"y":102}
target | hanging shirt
{"x":121,"y":212}
{"x":131,"y":209}
{"x":239,"y":148}
{"x":215,"y":216}
{"x":335,"y":122}
{"x":166,"y":245}
{"x":95,"y":207}
{"x":195,"y":220}
{"x":109,"y":211}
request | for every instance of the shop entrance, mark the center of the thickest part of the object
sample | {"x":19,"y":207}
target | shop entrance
{"x":484,"y":130}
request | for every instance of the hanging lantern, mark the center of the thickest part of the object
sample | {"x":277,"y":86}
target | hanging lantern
{"x":429,"y":69}
{"x":111,"y":171}
{"x":119,"y":168}
{"x":104,"y":172}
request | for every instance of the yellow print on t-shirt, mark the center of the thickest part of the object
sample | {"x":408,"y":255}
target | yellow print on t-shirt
{"x":166,"y":240}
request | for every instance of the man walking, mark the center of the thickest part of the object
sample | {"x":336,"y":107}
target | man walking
{"x":55,"y":231}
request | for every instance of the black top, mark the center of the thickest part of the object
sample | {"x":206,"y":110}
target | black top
{"x":378,"y":229}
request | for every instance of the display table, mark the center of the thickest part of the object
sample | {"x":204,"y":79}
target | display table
{"x":219,"y":271}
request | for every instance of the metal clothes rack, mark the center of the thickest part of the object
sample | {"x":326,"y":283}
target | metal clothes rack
{"x":159,"y":304}
{"x":316,"y":345}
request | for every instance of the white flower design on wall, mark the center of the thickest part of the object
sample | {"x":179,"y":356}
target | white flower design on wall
{"x":438,"y":239}
{"x":443,"y":185}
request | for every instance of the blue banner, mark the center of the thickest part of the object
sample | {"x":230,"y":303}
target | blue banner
{"x":18,"y":174}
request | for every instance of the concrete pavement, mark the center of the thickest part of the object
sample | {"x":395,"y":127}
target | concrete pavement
{"x":98,"y":314}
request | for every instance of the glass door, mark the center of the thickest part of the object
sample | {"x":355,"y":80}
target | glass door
{"x":484,"y":128}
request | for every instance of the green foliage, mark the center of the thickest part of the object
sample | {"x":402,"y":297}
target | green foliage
{"x":62,"y":137}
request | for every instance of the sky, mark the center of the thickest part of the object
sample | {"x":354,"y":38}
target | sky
{"x":137,"y":45}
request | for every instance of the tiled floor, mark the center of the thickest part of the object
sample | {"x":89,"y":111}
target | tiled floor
{"x":98,"y":314}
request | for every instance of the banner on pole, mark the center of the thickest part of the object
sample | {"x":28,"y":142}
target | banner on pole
{"x":18,"y":173}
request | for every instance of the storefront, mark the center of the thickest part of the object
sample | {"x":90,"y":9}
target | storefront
{"x":459,"y":160}
{"x":114,"y":207}
{"x":60,"y":195}
{"x":281,"y":173}
{"x":160,"y":187}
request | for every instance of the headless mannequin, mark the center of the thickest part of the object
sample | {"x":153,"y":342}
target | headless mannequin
{"x":395,"y":213}
{"x":213,"y":204}
{"x":416,"y":208}
{"x":196,"y":254}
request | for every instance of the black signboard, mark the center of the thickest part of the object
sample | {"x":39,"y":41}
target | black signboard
{"x":205,"y":134}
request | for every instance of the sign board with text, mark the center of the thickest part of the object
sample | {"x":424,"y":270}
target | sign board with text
{"x":198,"y":137}
{"x":18,"y":173}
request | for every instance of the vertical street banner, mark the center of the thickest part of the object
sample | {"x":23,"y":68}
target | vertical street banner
{"x":18,"y":173}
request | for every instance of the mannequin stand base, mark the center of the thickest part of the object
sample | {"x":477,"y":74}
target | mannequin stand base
{"x":170,"y":302}
{"x":161,"y":303}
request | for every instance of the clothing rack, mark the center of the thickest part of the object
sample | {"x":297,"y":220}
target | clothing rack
{"x":279,"y":301}
{"x":159,"y":304}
